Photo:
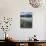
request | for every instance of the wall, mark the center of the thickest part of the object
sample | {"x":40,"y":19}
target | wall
{"x":12,"y":8}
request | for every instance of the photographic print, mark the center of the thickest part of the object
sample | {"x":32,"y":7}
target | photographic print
{"x":26,"y":19}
